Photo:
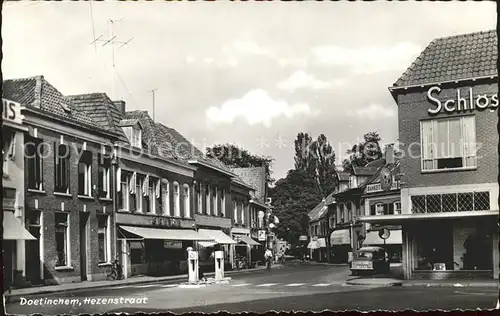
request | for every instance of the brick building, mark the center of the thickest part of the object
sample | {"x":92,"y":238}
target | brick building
{"x":447,"y":103}
{"x":67,"y":207}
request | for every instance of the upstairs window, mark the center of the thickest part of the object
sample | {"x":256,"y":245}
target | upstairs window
{"x":200,"y":198}
{"x":62,"y":168}
{"x":448,"y":143}
{"x":186,"y":195}
{"x":104,"y":185}
{"x":242,"y":218}
{"x":139,"y":192}
{"x":208,"y":200}
{"x":235,"y":212}
{"x":166,"y":197}
{"x":397,"y":208}
{"x":177,"y":200}
{"x":85,"y":174}
{"x":35,"y":151}
{"x":223,"y":203}
{"x":149,"y":195}
{"x":215,"y":199}
{"x":136,"y":139}
{"x":123,"y":190}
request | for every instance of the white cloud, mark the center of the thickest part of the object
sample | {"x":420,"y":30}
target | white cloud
{"x":372,"y":112}
{"x":208,"y":60}
{"x":294,"y":62}
{"x":368,"y":60}
{"x":300,"y":80}
{"x":190,"y":59}
{"x":256,"y":107}
{"x":250,"y":48}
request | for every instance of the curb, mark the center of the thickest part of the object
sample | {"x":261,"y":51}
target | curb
{"x":456,"y":285}
{"x":387,"y":284}
{"x":16,"y":297}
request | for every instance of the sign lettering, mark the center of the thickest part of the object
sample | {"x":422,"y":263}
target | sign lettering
{"x":461,"y":102}
{"x":11,"y":111}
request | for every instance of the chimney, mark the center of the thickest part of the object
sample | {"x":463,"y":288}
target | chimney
{"x":120,"y":105}
{"x":389,"y":153}
{"x":38,"y":91}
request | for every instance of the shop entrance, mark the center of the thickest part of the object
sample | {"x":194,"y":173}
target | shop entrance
{"x":34,"y":264}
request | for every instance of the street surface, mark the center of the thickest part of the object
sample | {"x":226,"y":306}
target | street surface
{"x":295,"y":287}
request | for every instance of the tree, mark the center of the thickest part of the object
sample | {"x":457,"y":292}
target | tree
{"x":364,"y":152}
{"x":317,"y":159}
{"x":236,"y":157}
{"x":293,"y":198}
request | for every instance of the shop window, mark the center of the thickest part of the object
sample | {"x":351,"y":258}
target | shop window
{"x":137,"y":252}
{"x":62,"y":168}
{"x":8,"y":148}
{"x":435,"y":248}
{"x":85,"y":174}
{"x":123,"y":190}
{"x":62,"y":239}
{"x":448,"y":143}
{"x":177,"y":200}
{"x":103,"y":238}
{"x":477,"y":253}
{"x":187,"y":206}
{"x":35,"y":151}
{"x":104,"y":182}
{"x":451,"y":202}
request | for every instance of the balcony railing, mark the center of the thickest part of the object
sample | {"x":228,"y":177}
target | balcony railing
{"x":377,"y":187}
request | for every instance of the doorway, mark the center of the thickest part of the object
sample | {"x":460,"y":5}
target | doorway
{"x":84,"y":238}
{"x":34,"y":264}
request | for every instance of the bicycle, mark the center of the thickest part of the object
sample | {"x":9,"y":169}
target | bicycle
{"x":115,"y":271}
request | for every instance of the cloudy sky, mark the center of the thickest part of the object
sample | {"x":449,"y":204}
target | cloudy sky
{"x":253,"y":74}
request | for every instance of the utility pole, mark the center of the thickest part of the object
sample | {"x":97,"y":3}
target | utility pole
{"x":154,"y":105}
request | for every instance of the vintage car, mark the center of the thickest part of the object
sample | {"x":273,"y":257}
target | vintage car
{"x":372,"y":260}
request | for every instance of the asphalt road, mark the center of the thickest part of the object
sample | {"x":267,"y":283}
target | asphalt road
{"x":300,"y":287}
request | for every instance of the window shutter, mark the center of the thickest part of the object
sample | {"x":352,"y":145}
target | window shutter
{"x":390,"y":208}
{"x":372,"y":209}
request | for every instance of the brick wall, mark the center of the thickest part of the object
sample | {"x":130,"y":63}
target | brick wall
{"x":413,"y":107}
{"x":73,"y":205}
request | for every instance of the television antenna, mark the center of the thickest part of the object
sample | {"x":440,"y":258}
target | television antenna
{"x":111,"y":42}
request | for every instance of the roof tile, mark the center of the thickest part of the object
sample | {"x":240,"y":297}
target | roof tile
{"x":454,"y":58}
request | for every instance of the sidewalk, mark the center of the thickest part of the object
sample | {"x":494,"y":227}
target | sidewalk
{"x":381,"y":281}
{"x":16,"y":293}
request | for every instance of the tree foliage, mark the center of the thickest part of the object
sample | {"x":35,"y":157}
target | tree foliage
{"x":366,"y":151}
{"x":236,"y":157}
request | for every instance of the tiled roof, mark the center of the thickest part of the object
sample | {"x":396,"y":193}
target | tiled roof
{"x":453,"y":58}
{"x":376,"y":163}
{"x":321,"y":209}
{"x":364,"y":171}
{"x":128,"y":122}
{"x":343,"y":176}
{"x":394,"y":168}
{"x":242,"y":182}
{"x":101,"y":109}
{"x":36,"y":92}
{"x":256,"y":177}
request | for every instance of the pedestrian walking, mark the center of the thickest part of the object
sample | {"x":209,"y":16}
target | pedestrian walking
{"x":269,"y":257}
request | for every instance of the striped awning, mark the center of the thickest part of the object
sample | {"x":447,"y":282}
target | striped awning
{"x":218,"y":236}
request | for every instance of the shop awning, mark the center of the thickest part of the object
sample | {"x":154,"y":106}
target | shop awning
{"x":322,"y":242}
{"x":247,"y":240}
{"x":12,"y":228}
{"x":372,"y":238}
{"x":218,"y":235}
{"x":340,"y":237}
{"x":165,"y":234}
{"x":313,"y":244}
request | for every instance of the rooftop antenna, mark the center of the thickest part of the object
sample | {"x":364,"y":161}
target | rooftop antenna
{"x":111,"y":42}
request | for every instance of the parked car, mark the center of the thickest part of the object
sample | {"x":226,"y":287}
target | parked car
{"x":372,"y":260}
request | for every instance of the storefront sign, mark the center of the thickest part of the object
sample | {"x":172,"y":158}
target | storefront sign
{"x":172,"y":244}
{"x":12,"y":111}
{"x":482,"y":101}
{"x":262,"y":235}
{"x":303,"y":238}
{"x":384,"y":233}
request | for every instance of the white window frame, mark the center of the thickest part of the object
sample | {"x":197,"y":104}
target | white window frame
{"x":429,"y":152}
{"x":138,"y":194}
{"x":68,"y":165}
{"x":68,"y":241}
{"x":107,"y":254}
{"x":87,"y":179}
{"x":39,"y":153}
{"x":187,"y":197}
{"x":379,"y":207}
{"x":8,"y":151}
{"x":215,"y":201}
{"x":397,"y":207}
{"x":106,"y":180}
{"x":136,"y":137}
{"x":125,"y":191}
{"x":235,"y":211}
{"x":166,"y":198}
{"x":151,"y":194}
{"x":177,"y":199}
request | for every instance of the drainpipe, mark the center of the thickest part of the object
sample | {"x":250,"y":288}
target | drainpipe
{"x":114,"y":163}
